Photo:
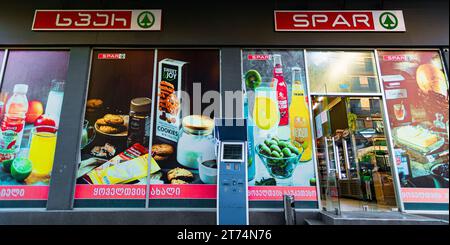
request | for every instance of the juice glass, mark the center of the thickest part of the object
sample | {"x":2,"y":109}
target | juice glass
{"x":42,"y":149}
{"x":266,"y":115}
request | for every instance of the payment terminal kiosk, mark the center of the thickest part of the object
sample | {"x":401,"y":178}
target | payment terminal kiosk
{"x":231,"y":149}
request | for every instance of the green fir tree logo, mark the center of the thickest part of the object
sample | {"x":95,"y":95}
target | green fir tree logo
{"x":388,"y":20}
{"x":146,"y":20}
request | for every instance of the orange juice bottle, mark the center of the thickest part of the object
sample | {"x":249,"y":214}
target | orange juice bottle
{"x":299,"y":117}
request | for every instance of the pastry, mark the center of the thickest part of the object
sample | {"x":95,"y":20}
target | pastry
{"x":180,"y":174}
{"x":111,"y":124}
{"x":101,"y":122}
{"x":93,"y":104}
{"x":162,"y":149}
{"x":160,"y":158}
{"x":107,"y":150}
{"x":109,"y":129}
{"x":178,"y":182}
{"x":113,"y":119}
{"x":98,"y":151}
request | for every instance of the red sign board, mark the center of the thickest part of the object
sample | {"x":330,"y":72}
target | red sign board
{"x":23,"y":192}
{"x":375,"y":21}
{"x":97,"y":20}
{"x":111,"y":56}
{"x":258,"y":57}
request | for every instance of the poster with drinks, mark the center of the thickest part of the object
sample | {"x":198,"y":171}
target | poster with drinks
{"x":416,"y":91}
{"x":279,"y":131}
{"x":116,"y":130}
{"x":187,"y":100}
{"x":32,"y":92}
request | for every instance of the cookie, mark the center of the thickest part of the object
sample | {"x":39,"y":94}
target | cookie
{"x":109,"y":129}
{"x":178,"y":182}
{"x":180,"y":174}
{"x":162,"y":149}
{"x":94,"y":103}
{"x":113,"y":119}
{"x":101,"y":122}
{"x":160,"y":158}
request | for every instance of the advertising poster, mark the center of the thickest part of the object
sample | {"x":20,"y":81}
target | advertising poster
{"x":416,"y":91}
{"x":31,"y":98}
{"x":187,"y":100}
{"x":116,"y":130}
{"x":279,"y":131}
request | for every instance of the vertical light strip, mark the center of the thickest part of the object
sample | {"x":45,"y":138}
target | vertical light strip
{"x":441,"y":57}
{"x":390,"y":142}
{"x":150,"y":140}
{"x":243,"y":89}
{"x":313,"y":137}
{"x":3,"y":68}
{"x":220,"y":84}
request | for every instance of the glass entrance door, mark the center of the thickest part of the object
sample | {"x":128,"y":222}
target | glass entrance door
{"x":352,"y":154}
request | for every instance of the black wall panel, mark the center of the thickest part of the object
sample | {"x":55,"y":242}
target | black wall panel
{"x":223,"y":23}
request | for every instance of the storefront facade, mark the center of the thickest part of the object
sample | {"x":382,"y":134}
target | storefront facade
{"x":352,"y":101}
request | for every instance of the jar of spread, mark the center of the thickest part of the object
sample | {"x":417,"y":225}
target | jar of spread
{"x":196,"y":142}
{"x":139,"y":122}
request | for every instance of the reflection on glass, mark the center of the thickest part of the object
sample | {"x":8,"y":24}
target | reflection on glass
{"x":344,"y":72}
{"x":357,"y":154}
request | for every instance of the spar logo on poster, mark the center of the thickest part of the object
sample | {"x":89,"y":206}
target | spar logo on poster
{"x":97,"y":20}
{"x":344,"y":21}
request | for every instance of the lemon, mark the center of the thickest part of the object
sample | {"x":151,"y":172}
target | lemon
{"x":307,"y":155}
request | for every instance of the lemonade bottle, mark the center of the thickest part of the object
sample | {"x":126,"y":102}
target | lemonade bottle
{"x":13,"y":123}
{"x":299,"y":117}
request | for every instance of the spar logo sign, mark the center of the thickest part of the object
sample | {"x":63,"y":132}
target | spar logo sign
{"x":342,"y":21}
{"x":97,"y":20}
{"x":146,"y":19}
{"x":388,"y":20}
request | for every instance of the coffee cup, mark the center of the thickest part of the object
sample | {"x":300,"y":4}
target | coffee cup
{"x":208,"y":172}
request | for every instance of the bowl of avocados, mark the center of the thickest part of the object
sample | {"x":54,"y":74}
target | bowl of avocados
{"x":279,"y":156}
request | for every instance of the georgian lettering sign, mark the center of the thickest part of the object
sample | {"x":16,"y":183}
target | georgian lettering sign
{"x":97,"y":20}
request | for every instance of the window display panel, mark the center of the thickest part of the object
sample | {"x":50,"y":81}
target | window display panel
{"x":31,"y":98}
{"x":342,"y":72}
{"x":116,"y":130}
{"x":416,"y":91}
{"x":183,"y":147}
{"x":279,"y":131}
